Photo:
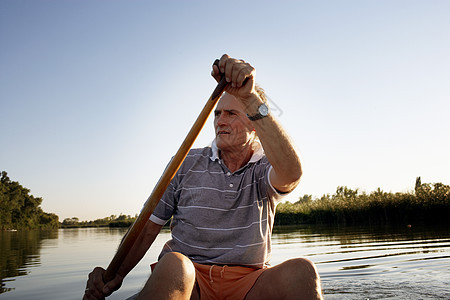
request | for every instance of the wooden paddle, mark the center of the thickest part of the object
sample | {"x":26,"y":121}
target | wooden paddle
{"x":163,"y":182}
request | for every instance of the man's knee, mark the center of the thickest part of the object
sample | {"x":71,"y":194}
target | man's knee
{"x":300,"y":268}
{"x":300,"y":262}
{"x":178,"y":263}
{"x":175,"y":258}
{"x":300,"y":276}
{"x":172,"y":278}
{"x":288,"y":280}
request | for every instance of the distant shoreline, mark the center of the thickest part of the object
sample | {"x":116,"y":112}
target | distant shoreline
{"x":428,"y":204}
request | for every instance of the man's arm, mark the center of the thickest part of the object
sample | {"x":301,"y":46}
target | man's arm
{"x":140,"y":247}
{"x":97,"y":289}
{"x":280,"y":151}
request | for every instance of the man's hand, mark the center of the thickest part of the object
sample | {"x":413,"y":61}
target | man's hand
{"x":239,"y":74}
{"x":279,"y":149}
{"x":97,"y":289}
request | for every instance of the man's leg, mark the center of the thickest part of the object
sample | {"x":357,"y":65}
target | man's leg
{"x":173,"y":278}
{"x":293,"y":279}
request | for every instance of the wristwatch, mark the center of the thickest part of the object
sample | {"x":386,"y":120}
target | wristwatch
{"x":263,"y":111}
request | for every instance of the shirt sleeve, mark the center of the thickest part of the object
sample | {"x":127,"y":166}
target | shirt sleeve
{"x":272,"y":192}
{"x":167,"y":204}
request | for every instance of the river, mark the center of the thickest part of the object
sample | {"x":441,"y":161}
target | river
{"x":354,"y":262}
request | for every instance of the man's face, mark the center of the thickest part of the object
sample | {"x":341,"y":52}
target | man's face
{"x":233,"y":128}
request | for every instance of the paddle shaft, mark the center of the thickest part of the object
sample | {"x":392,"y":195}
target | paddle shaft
{"x":163,"y":183}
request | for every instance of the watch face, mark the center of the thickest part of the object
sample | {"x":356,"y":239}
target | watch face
{"x":263,"y":109}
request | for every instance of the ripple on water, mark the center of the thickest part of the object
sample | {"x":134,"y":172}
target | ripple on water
{"x":367,"y":263}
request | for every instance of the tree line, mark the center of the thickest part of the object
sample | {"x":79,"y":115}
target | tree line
{"x":429,"y":203}
{"x":21,"y":210}
{"x":111,"y":221}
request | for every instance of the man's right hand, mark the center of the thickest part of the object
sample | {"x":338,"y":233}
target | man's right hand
{"x":97,"y":289}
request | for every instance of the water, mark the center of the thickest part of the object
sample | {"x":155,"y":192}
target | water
{"x":373,"y":263}
{"x":354,"y":262}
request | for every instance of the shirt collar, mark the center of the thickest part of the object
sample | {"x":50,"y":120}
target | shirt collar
{"x":258,"y":152}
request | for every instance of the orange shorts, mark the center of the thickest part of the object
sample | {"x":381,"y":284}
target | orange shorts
{"x":225,"y":282}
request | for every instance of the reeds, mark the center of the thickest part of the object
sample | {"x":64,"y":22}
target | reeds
{"x":428,"y":204}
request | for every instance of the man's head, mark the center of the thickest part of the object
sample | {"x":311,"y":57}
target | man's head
{"x":234,"y":131}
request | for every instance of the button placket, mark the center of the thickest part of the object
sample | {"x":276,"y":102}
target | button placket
{"x":230,"y":184}
{"x":229,"y":178}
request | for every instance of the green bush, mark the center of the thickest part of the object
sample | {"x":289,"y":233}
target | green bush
{"x":429,"y":203}
{"x":21,"y":210}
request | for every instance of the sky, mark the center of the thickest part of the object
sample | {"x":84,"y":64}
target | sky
{"x":97,"y":96}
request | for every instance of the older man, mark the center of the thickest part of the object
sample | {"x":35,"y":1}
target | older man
{"x":222,"y":203}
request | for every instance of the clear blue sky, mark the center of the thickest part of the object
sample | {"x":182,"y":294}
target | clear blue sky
{"x":96,"y":96}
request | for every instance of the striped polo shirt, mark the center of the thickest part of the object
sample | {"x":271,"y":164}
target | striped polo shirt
{"x":220,"y":217}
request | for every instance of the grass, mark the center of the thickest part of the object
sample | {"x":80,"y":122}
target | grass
{"x":427,"y":204}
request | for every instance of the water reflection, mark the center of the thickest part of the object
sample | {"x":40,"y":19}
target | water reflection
{"x":354,"y":262}
{"x":19,"y":251}
{"x":379,"y":262}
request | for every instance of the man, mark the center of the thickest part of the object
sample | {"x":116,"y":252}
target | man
{"x":223,"y":201}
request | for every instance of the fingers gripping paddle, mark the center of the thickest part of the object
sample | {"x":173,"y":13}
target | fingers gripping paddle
{"x":163,"y":182}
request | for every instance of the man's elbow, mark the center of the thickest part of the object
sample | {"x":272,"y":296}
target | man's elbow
{"x":294,"y":175}
{"x":289,"y":181}
{"x":294,"y":181}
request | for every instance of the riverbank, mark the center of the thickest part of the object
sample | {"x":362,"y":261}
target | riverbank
{"x":21,"y":210}
{"x":428,"y":204}
{"x":111,"y":221}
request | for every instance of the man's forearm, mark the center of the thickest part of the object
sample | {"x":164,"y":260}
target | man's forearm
{"x":278,"y":148}
{"x":140,"y":247}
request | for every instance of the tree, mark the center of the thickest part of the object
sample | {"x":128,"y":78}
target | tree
{"x":418,"y":184}
{"x":19,"y":209}
{"x":304,"y":199}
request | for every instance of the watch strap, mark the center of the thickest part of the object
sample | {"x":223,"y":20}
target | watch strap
{"x":258,"y":115}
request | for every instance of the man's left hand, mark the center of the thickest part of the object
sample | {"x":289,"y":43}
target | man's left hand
{"x":239,"y":74}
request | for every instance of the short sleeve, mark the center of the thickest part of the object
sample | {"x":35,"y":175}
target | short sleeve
{"x":272,"y":192}
{"x":166,"y":206}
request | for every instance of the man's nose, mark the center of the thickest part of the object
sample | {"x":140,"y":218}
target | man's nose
{"x":221,"y":120}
